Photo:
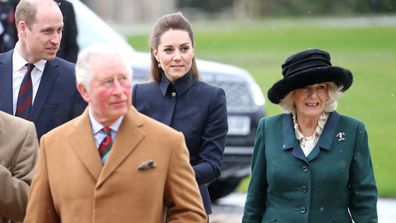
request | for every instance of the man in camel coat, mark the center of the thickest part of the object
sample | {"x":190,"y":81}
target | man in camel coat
{"x":145,"y":176}
{"x":18,"y":155}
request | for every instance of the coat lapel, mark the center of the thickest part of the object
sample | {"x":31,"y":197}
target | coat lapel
{"x":6,"y":96}
{"x":289,"y":138}
{"x":46,"y":83}
{"x":128,"y":137}
{"x":326,"y":138}
{"x":82,"y":141}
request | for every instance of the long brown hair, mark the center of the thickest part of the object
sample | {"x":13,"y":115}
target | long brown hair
{"x":175,"y":21}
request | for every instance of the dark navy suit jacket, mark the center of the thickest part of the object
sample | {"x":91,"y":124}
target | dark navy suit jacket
{"x":199,"y":111}
{"x":57,"y":100}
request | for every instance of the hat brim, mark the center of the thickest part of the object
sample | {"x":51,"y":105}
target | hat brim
{"x":338,"y":75}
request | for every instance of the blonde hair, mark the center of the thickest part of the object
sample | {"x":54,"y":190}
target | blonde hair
{"x":334,"y":92}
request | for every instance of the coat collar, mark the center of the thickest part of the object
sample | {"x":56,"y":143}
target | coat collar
{"x":325,"y":139}
{"x":128,"y":137}
{"x":181,"y":85}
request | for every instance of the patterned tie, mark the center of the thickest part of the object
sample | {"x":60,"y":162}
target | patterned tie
{"x":24,"y":103}
{"x":106,"y":144}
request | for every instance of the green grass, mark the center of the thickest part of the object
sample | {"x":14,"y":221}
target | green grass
{"x":368,"y":51}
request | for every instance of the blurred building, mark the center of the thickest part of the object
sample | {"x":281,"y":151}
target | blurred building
{"x":143,"y":11}
{"x":131,"y":11}
{"x":148,"y":11}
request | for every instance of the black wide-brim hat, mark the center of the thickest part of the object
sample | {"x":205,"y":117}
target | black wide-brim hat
{"x":306,"y":68}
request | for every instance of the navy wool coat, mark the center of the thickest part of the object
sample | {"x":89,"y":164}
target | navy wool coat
{"x":335,"y":183}
{"x":196,"y":109}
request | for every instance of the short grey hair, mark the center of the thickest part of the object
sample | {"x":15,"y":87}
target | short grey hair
{"x":334,"y":92}
{"x":89,"y":55}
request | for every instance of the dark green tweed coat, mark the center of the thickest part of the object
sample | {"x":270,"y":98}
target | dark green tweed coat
{"x":335,"y":183}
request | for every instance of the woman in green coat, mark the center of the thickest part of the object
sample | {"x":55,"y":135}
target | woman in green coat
{"x":311,"y":164}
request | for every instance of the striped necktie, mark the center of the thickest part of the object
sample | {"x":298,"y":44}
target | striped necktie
{"x":25,"y":95}
{"x":107,"y":142}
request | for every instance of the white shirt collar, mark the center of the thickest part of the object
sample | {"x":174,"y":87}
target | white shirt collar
{"x":96,"y":126}
{"x":307,"y":143}
{"x":19,"y":62}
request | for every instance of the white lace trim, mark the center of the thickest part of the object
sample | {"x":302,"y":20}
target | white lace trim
{"x":307,"y":143}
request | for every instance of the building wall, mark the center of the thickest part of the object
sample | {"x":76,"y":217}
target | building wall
{"x":131,"y":11}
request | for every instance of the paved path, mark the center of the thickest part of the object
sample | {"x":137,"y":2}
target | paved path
{"x":230,"y":208}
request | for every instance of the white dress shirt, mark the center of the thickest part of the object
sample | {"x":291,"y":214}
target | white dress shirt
{"x":100,"y":135}
{"x":18,"y":72}
{"x":307,"y":143}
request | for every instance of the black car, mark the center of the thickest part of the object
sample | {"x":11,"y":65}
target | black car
{"x":245,"y":101}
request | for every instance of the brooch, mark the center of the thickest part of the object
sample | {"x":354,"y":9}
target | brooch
{"x":340,"y":136}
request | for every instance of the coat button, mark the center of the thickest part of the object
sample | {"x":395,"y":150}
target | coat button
{"x":305,"y":168}
{"x":303,"y":210}
{"x":304,"y":188}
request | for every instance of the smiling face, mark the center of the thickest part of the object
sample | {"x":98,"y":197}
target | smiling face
{"x":175,"y":53}
{"x":41,"y":40}
{"x":310,"y":101}
{"x":109,"y":94}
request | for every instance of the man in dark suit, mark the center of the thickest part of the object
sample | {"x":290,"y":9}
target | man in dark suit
{"x":68,"y":48}
{"x":53,"y":96}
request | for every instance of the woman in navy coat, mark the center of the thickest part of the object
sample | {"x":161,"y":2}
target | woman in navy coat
{"x":177,"y":98}
{"x":311,"y":164}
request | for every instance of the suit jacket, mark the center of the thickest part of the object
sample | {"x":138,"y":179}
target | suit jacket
{"x":199,"y":111}
{"x":335,"y":183}
{"x":68,"y":48}
{"x":71,"y":185}
{"x":18,"y":154}
{"x":57,"y":100}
